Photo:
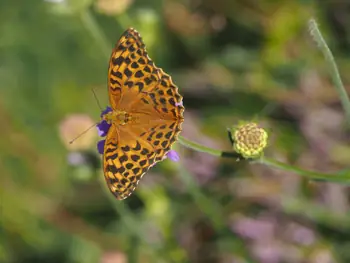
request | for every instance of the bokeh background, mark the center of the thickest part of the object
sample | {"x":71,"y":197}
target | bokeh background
{"x":232,"y":60}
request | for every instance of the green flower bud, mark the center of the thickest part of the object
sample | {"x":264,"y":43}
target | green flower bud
{"x":249,"y":140}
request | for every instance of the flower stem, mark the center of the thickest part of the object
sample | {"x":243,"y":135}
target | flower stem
{"x":91,"y":25}
{"x":201,"y":148}
{"x":198,"y":147}
{"x":344,"y":98}
{"x":331,"y":177}
{"x":339,"y":177}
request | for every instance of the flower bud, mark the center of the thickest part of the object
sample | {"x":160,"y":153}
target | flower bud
{"x":249,"y":140}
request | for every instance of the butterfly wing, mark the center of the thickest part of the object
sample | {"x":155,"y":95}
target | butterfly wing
{"x":126,"y":159}
{"x":130,"y":70}
{"x":160,"y":115}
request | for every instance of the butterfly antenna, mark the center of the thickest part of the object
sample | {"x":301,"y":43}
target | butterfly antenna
{"x":98,"y":102}
{"x":81,"y":134}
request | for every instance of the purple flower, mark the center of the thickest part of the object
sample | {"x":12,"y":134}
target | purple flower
{"x":102,"y":129}
{"x":103,"y":126}
{"x":178,"y":104}
{"x":104,"y":112}
{"x":173,"y":155}
{"x":101,"y":146}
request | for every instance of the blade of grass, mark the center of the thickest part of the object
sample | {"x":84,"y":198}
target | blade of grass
{"x":321,"y":43}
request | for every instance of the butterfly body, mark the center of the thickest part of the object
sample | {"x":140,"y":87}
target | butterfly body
{"x":146,"y":115}
{"x":117,"y":117}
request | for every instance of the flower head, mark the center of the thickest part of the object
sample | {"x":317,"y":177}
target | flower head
{"x":101,"y":146}
{"x":249,"y":140}
{"x":173,"y":155}
{"x":104,"y":112}
{"x":179,"y":103}
{"x":102,"y":129}
{"x":103,"y":126}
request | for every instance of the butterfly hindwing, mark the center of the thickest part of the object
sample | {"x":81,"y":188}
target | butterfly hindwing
{"x":126,"y":159}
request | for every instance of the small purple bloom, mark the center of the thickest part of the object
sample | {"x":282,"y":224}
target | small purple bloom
{"x":101,"y":146}
{"x":104,"y":112}
{"x":173,"y":155}
{"x":178,"y":104}
{"x":102,"y":128}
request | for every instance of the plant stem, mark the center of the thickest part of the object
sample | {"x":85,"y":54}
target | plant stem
{"x":90,"y":24}
{"x":198,"y":147}
{"x":344,"y":98}
{"x":201,"y":148}
{"x":331,"y":177}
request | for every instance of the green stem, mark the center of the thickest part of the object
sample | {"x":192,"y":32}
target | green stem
{"x":344,"y":98}
{"x":198,"y":147}
{"x":90,"y":24}
{"x":201,"y":148}
{"x":331,"y":177}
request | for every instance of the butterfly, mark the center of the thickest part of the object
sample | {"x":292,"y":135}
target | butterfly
{"x":145,"y":116}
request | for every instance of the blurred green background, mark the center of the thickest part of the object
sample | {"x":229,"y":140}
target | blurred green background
{"x":232,"y":60}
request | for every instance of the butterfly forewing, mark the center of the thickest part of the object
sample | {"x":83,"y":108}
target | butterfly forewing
{"x":130,"y":70}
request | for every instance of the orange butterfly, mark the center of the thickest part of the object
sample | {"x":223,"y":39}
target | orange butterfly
{"x":144,"y":119}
